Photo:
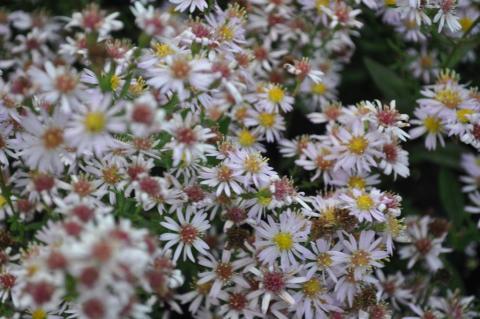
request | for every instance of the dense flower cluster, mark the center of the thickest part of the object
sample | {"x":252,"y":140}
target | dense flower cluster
{"x":448,"y":108}
{"x":135,"y":181}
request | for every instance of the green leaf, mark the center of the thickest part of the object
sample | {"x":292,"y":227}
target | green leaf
{"x":451,"y":196}
{"x":446,"y":157}
{"x":390,"y":84}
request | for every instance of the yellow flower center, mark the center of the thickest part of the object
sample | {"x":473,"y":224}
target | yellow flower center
{"x":318,"y":88}
{"x":95,"y":122}
{"x":364,"y":202}
{"x":432,"y":124}
{"x":462,"y":115}
{"x":162,"y":50}
{"x":276,"y":94}
{"x":252,"y":164}
{"x":138,"y":86}
{"x":3,"y":201}
{"x":266,"y":119}
{"x":394,"y":225}
{"x":357,"y":145}
{"x":324,"y":260}
{"x":312,"y":287}
{"x":204,"y":289}
{"x":329,"y":215}
{"x":356,"y":182}
{"x":319,"y":4}
{"x":114,"y":82}
{"x":111,"y":175}
{"x":466,"y":23}
{"x":284,"y":241}
{"x":39,"y":314}
{"x":390,"y":3}
{"x":360,"y":258}
{"x":245,"y":138}
{"x":449,"y":98}
{"x":226,"y":33}
{"x":264,"y":200}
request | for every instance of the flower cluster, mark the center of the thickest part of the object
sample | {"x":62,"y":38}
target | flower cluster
{"x":137,"y":179}
{"x":448,"y":108}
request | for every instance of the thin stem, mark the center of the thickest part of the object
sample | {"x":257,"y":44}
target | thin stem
{"x":5,"y":191}
{"x":460,"y":42}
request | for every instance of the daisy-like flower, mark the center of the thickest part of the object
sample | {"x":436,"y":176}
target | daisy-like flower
{"x":395,"y":160}
{"x":152,"y":21}
{"x":269,"y":124}
{"x":314,"y":157}
{"x":178,"y":72}
{"x":425,"y":66}
{"x":389,"y":119}
{"x":224,"y":178}
{"x":6,"y":146}
{"x":91,"y":126}
{"x":446,"y":15}
{"x":428,"y":123}
{"x":92,"y":19}
{"x":222,"y":273}
{"x":359,"y":181}
{"x":57,"y":85}
{"x":189,"y":139}
{"x":238,"y":304}
{"x":362,"y":254}
{"x":394,"y":287}
{"x":275,"y":283}
{"x":191,"y":5}
{"x":330,"y":112}
{"x":43,"y":141}
{"x":423,"y":246}
{"x":283,"y":240}
{"x":355,"y":149}
{"x":365,"y":205}
{"x":187,"y":233}
{"x":303,"y":69}
{"x":323,"y":261}
{"x":295,"y":147}
{"x":274,"y":97}
{"x":144,"y":116}
{"x":253,"y":168}
{"x":323,"y":92}
{"x":314,"y":301}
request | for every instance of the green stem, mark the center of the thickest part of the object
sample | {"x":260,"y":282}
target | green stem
{"x":460,"y":42}
{"x":6,"y":191}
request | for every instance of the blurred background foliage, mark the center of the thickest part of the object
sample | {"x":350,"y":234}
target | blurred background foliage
{"x":376,"y":71}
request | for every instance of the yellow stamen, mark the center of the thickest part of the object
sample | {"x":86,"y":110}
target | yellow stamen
{"x":318,"y":88}
{"x":95,"y":122}
{"x":364,"y":202}
{"x":245,"y":138}
{"x":266,"y":119}
{"x":3,"y":201}
{"x":432,"y":124}
{"x":114,"y":82}
{"x":284,"y":241}
{"x":357,"y":145}
{"x":39,"y":314}
{"x":356,"y":182}
{"x":462,"y":115}
{"x":312,"y":287}
{"x":276,"y":94}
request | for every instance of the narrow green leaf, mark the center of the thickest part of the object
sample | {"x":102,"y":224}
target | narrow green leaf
{"x":390,"y":84}
{"x":451,"y":196}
